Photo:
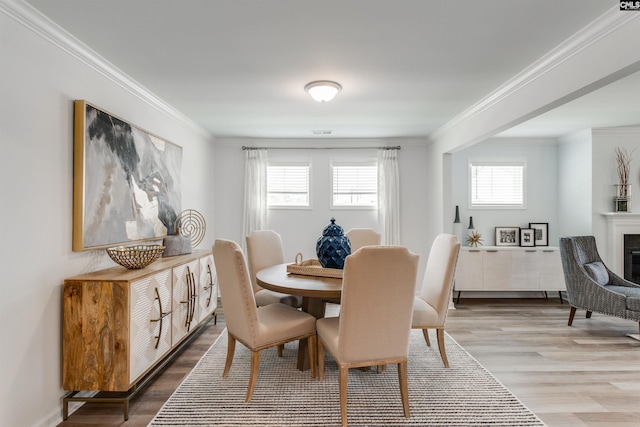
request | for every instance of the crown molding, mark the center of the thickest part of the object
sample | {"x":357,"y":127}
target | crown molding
{"x":598,"y":29}
{"x":617,"y":131}
{"x":32,"y":19}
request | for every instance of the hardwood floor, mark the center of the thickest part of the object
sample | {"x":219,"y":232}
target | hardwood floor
{"x":584,"y":375}
{"x":148,"y":401}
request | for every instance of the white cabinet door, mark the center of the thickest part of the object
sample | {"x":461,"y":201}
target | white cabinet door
{"x":468,"y":274}
{"x":509,"y":269}
{"x":524,"y":269}
{"x":185,"y":300}
{"x":207,"y":287}
{"x":496,"y":267}
{"x":551,"y":274}
{"x":150,"y":322}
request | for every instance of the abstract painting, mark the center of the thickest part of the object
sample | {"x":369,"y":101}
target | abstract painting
{"x":127,"y":185}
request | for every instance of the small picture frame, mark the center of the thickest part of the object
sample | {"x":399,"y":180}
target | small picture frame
{"x":541,"y":233}
{"x":507,"y":236}
{"x":527,"y":237}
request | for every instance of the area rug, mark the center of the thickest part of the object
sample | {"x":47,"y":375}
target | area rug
{"x":465,"y":394}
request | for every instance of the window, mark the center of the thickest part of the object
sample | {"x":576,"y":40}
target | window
{"x":354,"y":185}
{"x":497,"y":184}
{"x":288,"y":185}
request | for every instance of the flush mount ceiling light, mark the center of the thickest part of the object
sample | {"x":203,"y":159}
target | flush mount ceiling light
{"x":323,"y":90}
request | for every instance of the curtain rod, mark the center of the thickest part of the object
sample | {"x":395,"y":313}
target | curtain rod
{"x":396,"y":147}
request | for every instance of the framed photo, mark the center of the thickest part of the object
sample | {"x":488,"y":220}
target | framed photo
{"x":507,"y":236}
{"x":126,"y":181}
{"x":527,"y":237}
{"x":541,"y":233}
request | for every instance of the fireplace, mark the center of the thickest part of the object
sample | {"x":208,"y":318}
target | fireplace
{"x":632,"y":257}
{"x":621,"y":224}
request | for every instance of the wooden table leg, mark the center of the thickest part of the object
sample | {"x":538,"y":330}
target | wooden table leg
{"x":315,"y":307}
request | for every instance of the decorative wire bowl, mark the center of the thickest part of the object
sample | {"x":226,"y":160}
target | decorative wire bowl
{"x":135,"y":257}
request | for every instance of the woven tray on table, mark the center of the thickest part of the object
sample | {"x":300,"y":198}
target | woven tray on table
{"x":312,"y":267}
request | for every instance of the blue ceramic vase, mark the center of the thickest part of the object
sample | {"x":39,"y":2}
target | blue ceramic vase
{"x":333,"y":246}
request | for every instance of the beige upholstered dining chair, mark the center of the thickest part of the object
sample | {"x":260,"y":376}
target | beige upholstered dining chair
{"x":264,"y":249}
{"x":431,"y":306}
{"x":360,"y":237}
{"x":257,"y":328}
{"x":375,"y":276}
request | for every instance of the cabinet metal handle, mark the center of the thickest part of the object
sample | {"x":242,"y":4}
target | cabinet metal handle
{"x":159,"y":319}
{"x":210,"y":274}
{"x":209,"y":287}
{"x":191,"y":298}
{"x":492,"y":250}
{"x":530,"y":250}
{"x":194,"y":299}
{"x":188,"y":287}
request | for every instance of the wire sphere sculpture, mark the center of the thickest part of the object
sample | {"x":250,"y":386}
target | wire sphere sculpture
{"x":191,"y":223}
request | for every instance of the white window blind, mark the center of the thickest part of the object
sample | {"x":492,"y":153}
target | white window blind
{"x":288,"y":185}
{"x":497,"y":184}
{"x":355,"y":185}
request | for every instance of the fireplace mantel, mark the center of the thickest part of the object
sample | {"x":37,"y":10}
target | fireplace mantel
{"x":620,"y":223}
{"x":622,"y":215}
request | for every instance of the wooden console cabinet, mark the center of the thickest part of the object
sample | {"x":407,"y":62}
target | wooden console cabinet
{"x":118,"y":324}
{"x":498,"y":268}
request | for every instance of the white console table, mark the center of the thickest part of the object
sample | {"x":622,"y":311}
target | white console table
{"x":509,"y":268}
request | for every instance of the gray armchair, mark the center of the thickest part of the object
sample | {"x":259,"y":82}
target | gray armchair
{"x":592,"y":286}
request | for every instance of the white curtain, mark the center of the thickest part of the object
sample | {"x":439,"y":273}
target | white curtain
{"x":255,"y":192}
{"x":389,"y":196}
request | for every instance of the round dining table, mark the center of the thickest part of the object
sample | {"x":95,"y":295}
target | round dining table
{"x":314,"y":290}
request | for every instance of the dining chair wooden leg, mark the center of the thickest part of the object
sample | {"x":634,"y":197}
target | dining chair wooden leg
{"x":231,"y":348}
{"x":313,"y":351}
{"x":280,"y":350}
{"x":255,"y":365}
{"x":320,"y":356}
{"x":443,"y":353}
{"x":425,"y":334}
{"x":404,"y":387}
{"x":344,"y":381}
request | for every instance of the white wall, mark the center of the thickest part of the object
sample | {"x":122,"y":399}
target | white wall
{"x":571,"y":183}
{"x":300,"y":229}
{"x":587,"y":174}
{"x":541,"y":186}
{"x":574,"y":184}
{"x":605,"y":177}
{"x":38,"y":83}
{"x":590,"y":59}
